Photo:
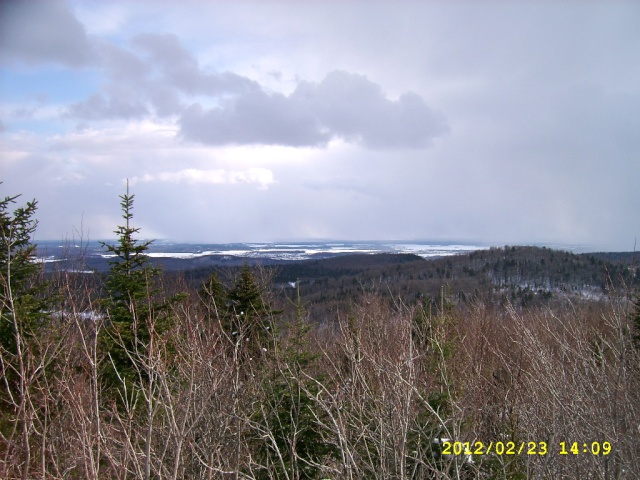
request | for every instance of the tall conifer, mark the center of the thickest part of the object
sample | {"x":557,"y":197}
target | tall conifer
{"x":129,"y":301}
{"x":213,"y":296}
{"x":23,"y":311}
{"x":19,"y":305}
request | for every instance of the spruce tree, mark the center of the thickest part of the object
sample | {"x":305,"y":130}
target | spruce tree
{"x":23,"y":312}
{"x":213,"y":296}
{"x":245,"y":296}
{"x":129,"y":302}
{"x":19,"y":306}
{"x":287,"y":409}
{"x":247,"y":309}
{"x":23,"y":305}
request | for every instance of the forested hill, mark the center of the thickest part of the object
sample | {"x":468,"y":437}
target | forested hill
{"x":532,"y":267}
{"x":631,"y":259}
{"x":524,"y":275}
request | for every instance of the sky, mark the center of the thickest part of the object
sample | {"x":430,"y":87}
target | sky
{"x":497,"y":122}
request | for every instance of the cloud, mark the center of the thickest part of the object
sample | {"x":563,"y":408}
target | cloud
{"x":154,"y":76}
{"x":42,"y":31}
{"x":356,"y":109}
{"x":157,"y":75}
{"x":344,"y":105}
{"x":189,"y":97}
{"x":260,"y":176}
{"x":256,"y":118}
{"x":177,"y":67}
{"x":122,"y":65}
{"x":98,"y":107}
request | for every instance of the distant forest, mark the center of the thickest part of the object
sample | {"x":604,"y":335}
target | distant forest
{"x":521,"y":276}
{"x":507,"y":363}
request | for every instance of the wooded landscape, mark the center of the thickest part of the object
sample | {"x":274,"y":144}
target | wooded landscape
{"x":526,"y":359}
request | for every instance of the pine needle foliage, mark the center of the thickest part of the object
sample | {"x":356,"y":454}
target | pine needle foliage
{"x":129,"y":301}
{"x":18,"y":267}
{"x":248,"y":312}
{"x":296,"y":446}
{"x":22,"y":305}
{"x":23,"y":312}
{"x":213,"y":297}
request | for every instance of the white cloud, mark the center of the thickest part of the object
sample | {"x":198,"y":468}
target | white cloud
{"x":159,"y":77}
{"x":261,"y":177}
{"x":102,"y":18}
{"x":343,"y":106}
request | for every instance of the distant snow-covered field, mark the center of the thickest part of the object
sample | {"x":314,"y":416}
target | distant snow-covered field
{"x":50,"y":251}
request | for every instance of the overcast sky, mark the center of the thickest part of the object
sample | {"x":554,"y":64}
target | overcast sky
{"x":501,"y":122}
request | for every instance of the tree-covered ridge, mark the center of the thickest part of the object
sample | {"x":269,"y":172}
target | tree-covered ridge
{"x":521,"y":275}
{"x":137,"y":373}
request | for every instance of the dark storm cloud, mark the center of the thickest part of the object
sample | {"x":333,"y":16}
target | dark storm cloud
{"x":41,"y":31}
{"x":343,"y":105}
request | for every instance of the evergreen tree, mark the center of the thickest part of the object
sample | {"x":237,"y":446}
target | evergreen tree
{"x":213,"y":296}
{"x":129,"y":301}
{"x":23,"y":305}
{"x":19,"y":306}
{"x":295,"y":446}
{"x":247,"y":310}
{"x":246,"y":296}
{"x":23,"y":311}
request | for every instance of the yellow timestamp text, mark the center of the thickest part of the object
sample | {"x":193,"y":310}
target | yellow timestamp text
{"x":589,"y":448}
{"x":524,"y":448}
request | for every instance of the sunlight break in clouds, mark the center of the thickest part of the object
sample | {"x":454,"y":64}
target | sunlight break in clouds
{"x":259,"y":176}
